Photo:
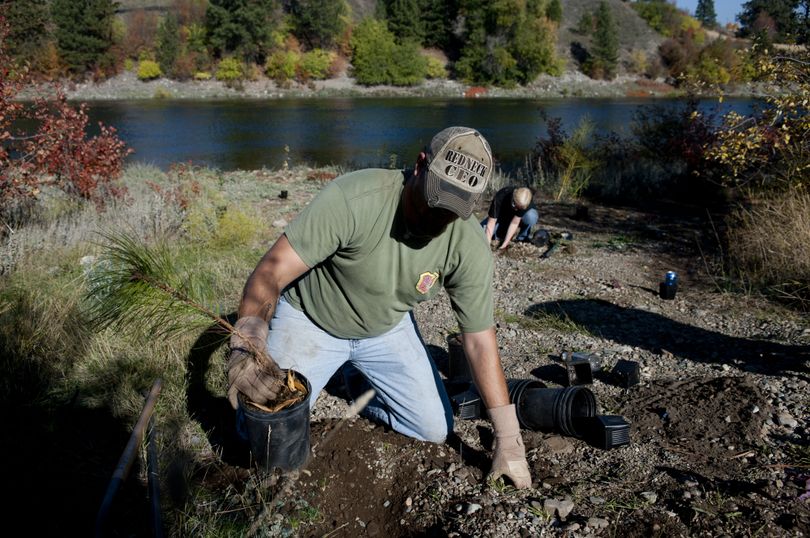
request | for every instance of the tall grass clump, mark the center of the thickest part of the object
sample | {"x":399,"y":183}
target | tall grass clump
{"x":564,"y":164}
{"x":769,"y":246}
{"x":765,"y":158}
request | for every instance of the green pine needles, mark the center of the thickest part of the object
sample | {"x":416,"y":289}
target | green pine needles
{"x":142,"y":289}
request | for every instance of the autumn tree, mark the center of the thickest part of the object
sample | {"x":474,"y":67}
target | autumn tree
{"x":57,"y":151}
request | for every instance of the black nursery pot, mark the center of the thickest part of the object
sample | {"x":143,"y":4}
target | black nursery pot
{"x":279,"y":439}
{"x":553,"y":410}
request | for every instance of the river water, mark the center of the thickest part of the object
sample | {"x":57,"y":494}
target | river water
{"x":251,"y":134}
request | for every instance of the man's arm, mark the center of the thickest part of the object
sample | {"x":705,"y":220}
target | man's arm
{"x":510,"y":232}
{"x":260,"y":381}
{"x":481,"y":349}
{"x":490,"y":229}
{"x":280,"y":266}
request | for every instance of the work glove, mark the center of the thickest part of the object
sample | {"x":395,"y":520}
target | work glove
{"x":245,"y":374}
{"x":510,"y":454}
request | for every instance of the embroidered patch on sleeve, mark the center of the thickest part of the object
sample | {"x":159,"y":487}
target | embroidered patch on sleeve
{"x":426,"y":281}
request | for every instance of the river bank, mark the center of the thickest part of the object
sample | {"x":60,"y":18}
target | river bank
{"x":126,"y":86}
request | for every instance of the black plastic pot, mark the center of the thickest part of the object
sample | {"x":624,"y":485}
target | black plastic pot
{"x":544,"y":409}
{"x":279,"y":439}
{"x":459,"y":368}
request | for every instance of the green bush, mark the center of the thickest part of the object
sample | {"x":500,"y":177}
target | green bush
{"x":149,"y":70}
{"x":202,"y":75}
{"x":377,"y":59}
{"x":710,"y":71}
{"x":435,"y":68}
{"x":282,"y":65}
{"x":315,"y":65}
{"x":230,"y":70}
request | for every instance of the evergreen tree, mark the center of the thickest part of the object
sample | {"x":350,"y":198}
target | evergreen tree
{"x":244,"y":27}
{"x":437,"y":19}
{"x":318,"y":23}
{"x":27,"y":22}
{"x":404,"y":20}
{"x":168,"y":43}
{"x":783,"y":12}
{"x":554,"y":11}
{"x":83,"y":32}
{"x":705,"y":13}
{"x":504,"y":43}
{"x":378,"y":59}
{"x":605,"y":42}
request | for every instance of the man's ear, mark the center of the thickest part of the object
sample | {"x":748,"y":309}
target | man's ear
{"x":421,"y":163}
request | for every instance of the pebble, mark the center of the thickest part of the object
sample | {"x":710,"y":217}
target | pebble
{"x":785,"y":419}
{"x":649,"y":496}
{"x":280,"y":223}
{"x":562,"y":507}
{"x":597,"y":522}
{"x":473,"y":508}
{"x":597,"y":500}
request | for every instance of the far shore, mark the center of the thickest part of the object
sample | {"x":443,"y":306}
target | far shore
{"x":126,"y":86}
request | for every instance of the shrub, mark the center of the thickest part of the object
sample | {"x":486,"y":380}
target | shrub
{"x":149,"y":70}
{"x":230,"y":71}
{"x":129,"y":65}
{"x":377,"y":59}
{"x":281,"y":66}
{"x":435,"y":68}
{"x":565,"y":163}
{"x":769,"y":246}
{"x":202,"y":75}
{"x":639,"y":63}
{"x":770,"y":149}
{"x":315,"y":65}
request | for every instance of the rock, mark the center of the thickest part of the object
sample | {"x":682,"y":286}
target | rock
{"x":473,"y":508}
{"x":785,"y":419}
{"x":280,"y":223}
{"x":649,"y":496}
{"x":597,"y":500}
{"x":565,"y":507}
{"x":561,"y":507}
{"x":597,"y":522}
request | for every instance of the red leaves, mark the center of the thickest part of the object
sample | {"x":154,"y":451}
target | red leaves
{"x":57,"y":150}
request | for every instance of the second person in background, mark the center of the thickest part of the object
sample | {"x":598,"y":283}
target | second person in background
{"x":511,"y":216}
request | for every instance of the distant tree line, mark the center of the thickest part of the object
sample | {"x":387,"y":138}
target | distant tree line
{"x":481,"y":42}
{"x":503,"y":42}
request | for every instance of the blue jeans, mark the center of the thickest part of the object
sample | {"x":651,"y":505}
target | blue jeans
{"x":529,"y":219}
{"x":411,"y":398}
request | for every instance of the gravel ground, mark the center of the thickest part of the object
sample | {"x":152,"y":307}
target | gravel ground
{"x":719,"y":421}
{"x":126,"y":86}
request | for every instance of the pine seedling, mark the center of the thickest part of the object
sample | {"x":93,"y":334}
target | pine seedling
{"x":137,"y":287}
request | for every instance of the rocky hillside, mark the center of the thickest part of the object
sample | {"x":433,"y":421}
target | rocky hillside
{"x":634,"y":33}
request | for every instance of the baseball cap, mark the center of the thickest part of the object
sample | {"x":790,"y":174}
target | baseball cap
{"x":460,"y":167}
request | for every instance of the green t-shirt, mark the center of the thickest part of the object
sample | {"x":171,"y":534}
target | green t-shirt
{"x":363,"y":279}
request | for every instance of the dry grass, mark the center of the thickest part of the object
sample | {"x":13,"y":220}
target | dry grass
{"x":769,"y":246}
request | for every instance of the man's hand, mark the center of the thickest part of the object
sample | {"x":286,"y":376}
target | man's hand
{"x":510,"y":454}
{"x":245,"y":374}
